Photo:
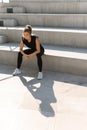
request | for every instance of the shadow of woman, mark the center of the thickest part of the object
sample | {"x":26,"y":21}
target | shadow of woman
{"x":42,"y":90}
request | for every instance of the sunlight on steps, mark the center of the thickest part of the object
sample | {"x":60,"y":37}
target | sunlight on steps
{"x":4,"y":1}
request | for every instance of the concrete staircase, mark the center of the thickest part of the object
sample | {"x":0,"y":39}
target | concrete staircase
{"x":8,"y":22}
{"x":61,"y":26}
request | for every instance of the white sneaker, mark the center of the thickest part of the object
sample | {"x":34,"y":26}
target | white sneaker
{"x":16,"y":72}
{"x":40,"y":75}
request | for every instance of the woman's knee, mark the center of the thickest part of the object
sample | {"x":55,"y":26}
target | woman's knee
{"x":19,"y":53}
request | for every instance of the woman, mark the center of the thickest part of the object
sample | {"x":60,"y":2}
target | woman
{"x":34,"y":48}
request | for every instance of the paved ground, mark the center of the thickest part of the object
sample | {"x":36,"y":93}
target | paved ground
{"x":58,"y":102}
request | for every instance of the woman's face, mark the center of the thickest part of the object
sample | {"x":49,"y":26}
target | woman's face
{"x":26,"y":35}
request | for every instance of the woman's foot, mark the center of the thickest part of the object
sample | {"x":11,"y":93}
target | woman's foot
{"x":40,"y":75}
{"x":16,"y":72}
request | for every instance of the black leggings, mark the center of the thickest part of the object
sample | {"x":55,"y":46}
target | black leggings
{"x":29,"y":51}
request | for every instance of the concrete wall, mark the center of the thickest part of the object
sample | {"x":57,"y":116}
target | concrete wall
{"x":50,"y":7}
{"x":64,"y":35}
{"x":53,"y":0}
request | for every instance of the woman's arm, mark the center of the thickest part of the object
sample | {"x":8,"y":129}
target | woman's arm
{"x":21,"y":50}
{"x":21,"y":47}
{"x":37,"y":47}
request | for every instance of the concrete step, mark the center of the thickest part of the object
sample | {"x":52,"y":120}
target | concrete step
{"x":51,"y":0}
{"x":61,"y":59}
{"x":49,"y":20}
{"x":52,"y":36}
{"x":3,"y":39}
{"x":48,"y":6}
{"x":8,"y":22}
{"x":12,"y":9}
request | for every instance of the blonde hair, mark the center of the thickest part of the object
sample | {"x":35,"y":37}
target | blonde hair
{"x":28,"y":28}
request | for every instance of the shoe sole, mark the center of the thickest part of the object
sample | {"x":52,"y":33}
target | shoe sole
{"x":16,"y":74}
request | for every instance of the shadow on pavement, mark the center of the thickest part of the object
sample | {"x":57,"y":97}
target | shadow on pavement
{"x":6,"y":78}
{"x":44,"y":93}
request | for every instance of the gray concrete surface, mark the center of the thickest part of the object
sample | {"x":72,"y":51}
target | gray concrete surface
{"x":58,"y":102}
{"x":9,"y":22}
{"x":48,"y":6}
{"x":55,"y":58}
{"x":3,"y":38}
{"x":49,"y":20}
{"x":50,"y":36}
{"x":12,"y":9}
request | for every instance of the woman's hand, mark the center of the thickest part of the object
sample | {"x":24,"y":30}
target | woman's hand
{"x":26,"y":57}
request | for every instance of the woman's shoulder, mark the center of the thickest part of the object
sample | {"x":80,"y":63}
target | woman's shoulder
{"x":34,"y":36}
{"x":23,"y":39}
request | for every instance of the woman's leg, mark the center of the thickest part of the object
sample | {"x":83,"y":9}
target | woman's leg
{"x":39,"y":63}
{"x":20,"y":57}
{"x":19,"y":60}
{"x":39,"y":60}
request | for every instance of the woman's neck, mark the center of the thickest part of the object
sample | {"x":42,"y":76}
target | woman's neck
{"x":29,"y":39}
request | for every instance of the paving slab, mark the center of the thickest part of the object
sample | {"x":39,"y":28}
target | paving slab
{"x":58,"y":102}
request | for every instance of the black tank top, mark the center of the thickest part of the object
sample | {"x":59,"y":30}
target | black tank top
{"x":32,"y":44}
